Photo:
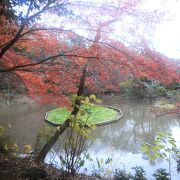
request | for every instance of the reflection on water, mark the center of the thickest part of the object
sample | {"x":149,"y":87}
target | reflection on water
{"x":22,"y":122}
{"x":120,"y":141}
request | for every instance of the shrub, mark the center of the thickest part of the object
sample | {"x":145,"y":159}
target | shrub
{"x":173,"y":86}
{"x":122,"y":175}
{"x":161,"y":174}
{"x":103,"y":167}
{"x":73,"y":151}
{"x":160,"y":90}
{"x":178,"y":164}
{"x":139,"y":173}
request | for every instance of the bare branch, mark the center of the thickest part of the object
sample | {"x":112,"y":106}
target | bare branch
{"x":24,"y":22}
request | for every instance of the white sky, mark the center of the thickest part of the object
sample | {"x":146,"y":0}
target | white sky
{"x":165,"y":38}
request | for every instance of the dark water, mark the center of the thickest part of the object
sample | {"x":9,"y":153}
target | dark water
{"x":120,"y":141}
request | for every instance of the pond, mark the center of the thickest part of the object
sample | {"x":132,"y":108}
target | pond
{"x":120,"y":141}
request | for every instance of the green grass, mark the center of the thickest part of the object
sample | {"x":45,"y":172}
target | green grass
{"x":93,"y":114}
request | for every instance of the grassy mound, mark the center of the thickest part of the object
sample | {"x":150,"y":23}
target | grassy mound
{"x":165,"y":104}
{"x":91,"y":114}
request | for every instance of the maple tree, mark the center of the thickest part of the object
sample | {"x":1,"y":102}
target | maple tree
{"x":51,"y":61}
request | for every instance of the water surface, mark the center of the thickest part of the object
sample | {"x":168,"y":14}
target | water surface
{"x":120,"y":141}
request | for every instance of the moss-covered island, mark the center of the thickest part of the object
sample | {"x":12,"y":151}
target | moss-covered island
{"x":92,"y":114}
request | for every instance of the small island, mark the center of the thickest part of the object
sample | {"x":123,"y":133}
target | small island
{"x":91,"y":114}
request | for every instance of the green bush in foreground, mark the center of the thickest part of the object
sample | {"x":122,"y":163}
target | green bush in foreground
{"x":159,"y":174}
{"x":120,"y":174}
{"x":90,"y":113}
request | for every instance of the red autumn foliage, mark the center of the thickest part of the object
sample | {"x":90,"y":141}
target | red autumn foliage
{"x":50,"y":63}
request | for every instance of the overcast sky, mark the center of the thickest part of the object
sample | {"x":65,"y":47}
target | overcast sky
{"x":165,"y":37}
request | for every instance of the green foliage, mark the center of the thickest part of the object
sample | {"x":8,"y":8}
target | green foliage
{"x":160,"y":90}
{"x":143,"y":87}
{"x":134,"y":87}
{"x":161,"y":174}
{"x":122,"y":175}
{"x":139,"y":173}
{"x":16,"y":49}
{"x":102,"y":167}
{"x":74,"y":148}
{"x":164,"y":146}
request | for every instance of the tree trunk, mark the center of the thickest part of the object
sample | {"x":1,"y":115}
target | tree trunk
{"x":47,"y":147}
